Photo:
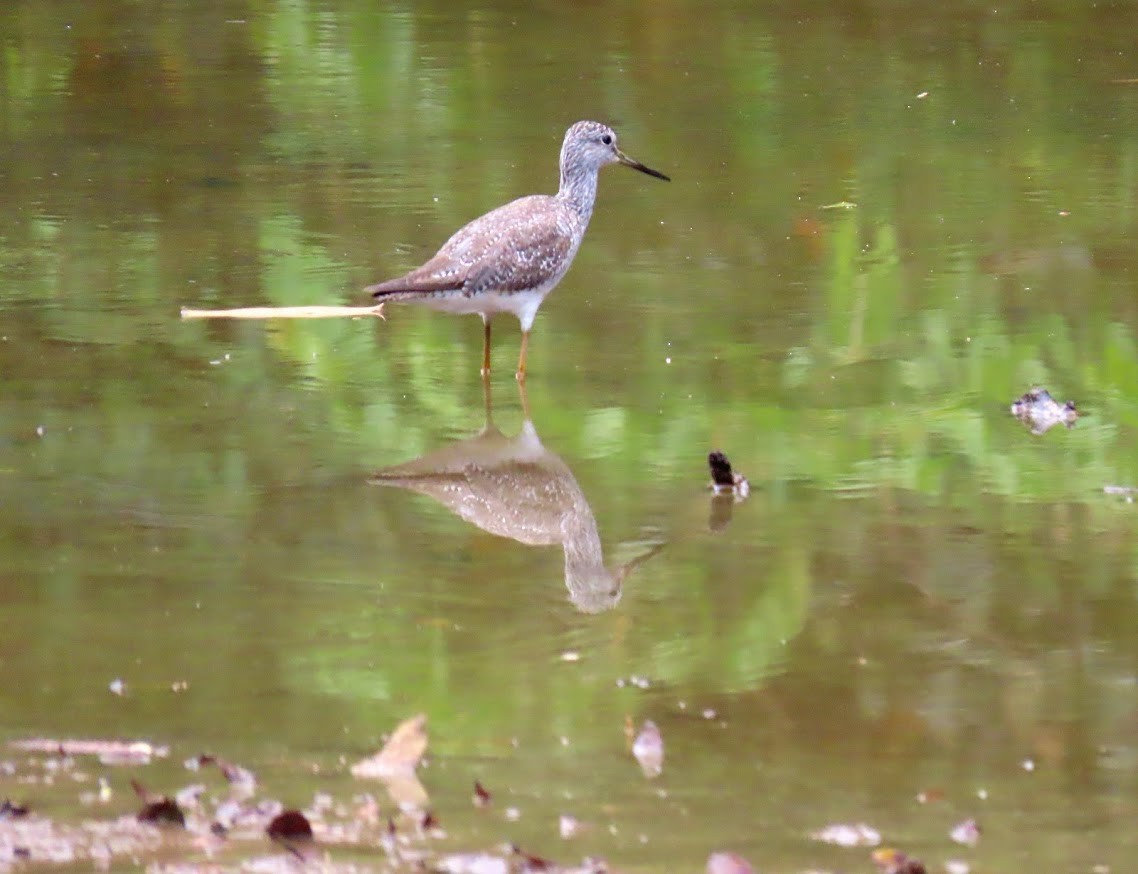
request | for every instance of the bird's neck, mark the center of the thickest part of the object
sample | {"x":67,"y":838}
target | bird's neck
{"x":579,"y":191}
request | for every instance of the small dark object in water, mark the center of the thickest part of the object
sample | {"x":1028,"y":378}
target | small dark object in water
{"x":481,"y":796}
{"x":727,"y":488}
{"x":157,"y":809}
{"x":292,"y":830}
{"x":164,"y":811}
{"x":1041,"y":412}
{"x":530,"y":862}
{"x":291,"y":825}
{"x":724,"y":481}
{"x":8,"y":810}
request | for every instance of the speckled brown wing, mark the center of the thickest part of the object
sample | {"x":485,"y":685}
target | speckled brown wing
{"x":516,"y":247}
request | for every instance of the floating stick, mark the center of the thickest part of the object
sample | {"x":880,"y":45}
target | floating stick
{"x":309,"y":312}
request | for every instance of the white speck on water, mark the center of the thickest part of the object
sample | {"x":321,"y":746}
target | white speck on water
{"x":1028,"y":765}
{"x":570,"y":656}
{"x":40,"y":430}
{"x":668,"y":360}
{"x":513,"y":814}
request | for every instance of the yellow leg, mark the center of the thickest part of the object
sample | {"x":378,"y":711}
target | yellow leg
{"x":486,"y":347}
{"x":521,"y":374}
{"x":525,"y":399}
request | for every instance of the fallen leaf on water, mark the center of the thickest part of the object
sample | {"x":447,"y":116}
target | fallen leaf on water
{"x":648,"y":749}
{"x":242,"y":781}
{"x":966,"y":833}
{"x":158,"y":809}
{"x":891,"y":861}
{"x":400,"y":755}
{"x":292,"y":830}
{"x":728,"y":863}
{"x":530,"y":862}
{"x":481,"y":796}
{"x":842,"y":834}
{"x":1041,"y":412}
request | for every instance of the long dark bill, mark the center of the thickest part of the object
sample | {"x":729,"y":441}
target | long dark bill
{"x":636,"y":165}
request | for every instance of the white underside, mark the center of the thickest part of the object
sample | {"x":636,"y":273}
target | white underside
{"x":521,"y":304}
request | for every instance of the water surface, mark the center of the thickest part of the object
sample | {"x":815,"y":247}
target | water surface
{"x":883,"y":227}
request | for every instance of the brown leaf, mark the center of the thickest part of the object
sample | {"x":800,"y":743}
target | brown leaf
{"x":164,"y":811}
{"x":290,"y":825}
{"x":400,"y":755}
{"x":481,"y":796}
{"x":529,"y":862}
{"x":292,"y":830}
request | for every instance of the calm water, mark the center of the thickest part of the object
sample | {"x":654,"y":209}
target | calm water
{"x":883,"y":227}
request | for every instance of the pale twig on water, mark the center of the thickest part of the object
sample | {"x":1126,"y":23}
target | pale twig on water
{"x":305,"y":312}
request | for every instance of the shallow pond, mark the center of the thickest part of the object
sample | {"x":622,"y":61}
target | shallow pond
{"x":274,"y":541}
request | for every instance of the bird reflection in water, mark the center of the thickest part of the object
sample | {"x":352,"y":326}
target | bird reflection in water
{"x":514,"y":487}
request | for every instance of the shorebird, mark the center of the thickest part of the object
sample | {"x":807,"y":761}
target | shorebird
{"x":508,"y":260}
{"x":515,"y":487}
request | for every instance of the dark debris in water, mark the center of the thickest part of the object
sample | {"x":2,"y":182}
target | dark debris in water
{"x":724,"y":480}
{"x":481,"y":797}
{"x":11,"y":810}
{"x":158,"y":809}
{"x":1041,"y":412}
{"x":727,"y":489}
{"x":357,"y":833}
{"x":292,"y":830}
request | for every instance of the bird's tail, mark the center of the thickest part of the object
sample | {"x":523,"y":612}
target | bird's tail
{"x":416,"y":285}
{"x":393,"y":292}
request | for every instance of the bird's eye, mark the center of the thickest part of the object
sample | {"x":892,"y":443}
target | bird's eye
{"x":607,"y":139}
